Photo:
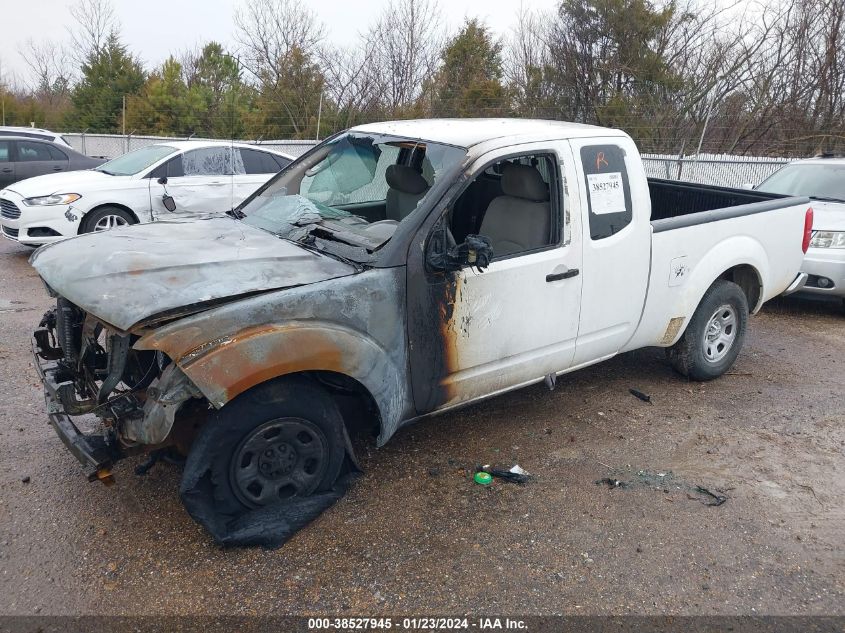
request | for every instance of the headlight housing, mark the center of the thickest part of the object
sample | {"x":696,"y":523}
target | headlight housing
{"x":56,"y":198}
{"x":828,"y":239}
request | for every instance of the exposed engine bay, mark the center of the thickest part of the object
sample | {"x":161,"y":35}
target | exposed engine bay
{"x":91,"y":368}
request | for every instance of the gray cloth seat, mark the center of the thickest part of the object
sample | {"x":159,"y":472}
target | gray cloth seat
{"x":520,"y":220}
{"x":407,"y":188}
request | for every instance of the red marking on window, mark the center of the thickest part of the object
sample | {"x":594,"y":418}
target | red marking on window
{"x":600,"y":160}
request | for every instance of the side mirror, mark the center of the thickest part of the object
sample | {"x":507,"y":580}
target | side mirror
{"x":475,"y":251}
{"x":169,"y":202}
{"x":162,"y":180}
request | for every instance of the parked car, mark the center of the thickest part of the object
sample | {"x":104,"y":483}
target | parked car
{"x":193,"y":177}
{"x":394,"y":271}
{"x":22,"y":158}
{"x":821,"y":179}
{"x":35,"y":133}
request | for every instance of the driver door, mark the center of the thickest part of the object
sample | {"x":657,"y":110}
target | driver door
{"x":473,"y":334}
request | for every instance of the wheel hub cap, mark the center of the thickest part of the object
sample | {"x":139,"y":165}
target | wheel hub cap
{"x":279,"y":459}
{"x":109,"y":222}
{"x":720,"y":333}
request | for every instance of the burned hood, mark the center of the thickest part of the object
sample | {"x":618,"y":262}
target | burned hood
{"x":127,"y":275}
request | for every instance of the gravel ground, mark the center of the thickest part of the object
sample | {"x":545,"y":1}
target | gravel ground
{"x":416,"y":536}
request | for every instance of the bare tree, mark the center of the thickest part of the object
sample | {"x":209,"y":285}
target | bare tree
{"x":50,"y":69}
{"x":404,"y":47}
{"x":268,"y":30}
{"x":95,"y":23}
{"x":526,"y":57}
{"x":350,"y":84}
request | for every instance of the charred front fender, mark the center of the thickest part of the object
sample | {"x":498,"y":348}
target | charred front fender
{"x":353,"y":326}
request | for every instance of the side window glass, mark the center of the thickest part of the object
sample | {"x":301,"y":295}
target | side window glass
{"x":608,"y":190}
{"x":29,"y":151}
{"x":515,"y":202}
{"x":173,"y":168}
{"x":56,"y":154}
{"x":256,"y":162}
{"x":208,"y":161}
{"x":5,"y":152}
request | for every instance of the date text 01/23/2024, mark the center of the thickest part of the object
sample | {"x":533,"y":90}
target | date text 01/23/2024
{"x":421,"y":623}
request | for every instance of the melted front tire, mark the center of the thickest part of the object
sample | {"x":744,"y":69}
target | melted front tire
{"x":266,"y":464}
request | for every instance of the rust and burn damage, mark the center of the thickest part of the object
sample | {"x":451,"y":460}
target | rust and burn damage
{"x":353,"y":326}
{"x":435,"y":337}
{"x":165,"y":397}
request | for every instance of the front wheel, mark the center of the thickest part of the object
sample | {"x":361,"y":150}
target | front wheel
{"x":106,"y":218}
{"x":280,"y":448}
{"x":715,"y":334}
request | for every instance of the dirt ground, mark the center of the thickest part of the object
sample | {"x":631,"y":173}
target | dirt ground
{"x":417,"y":536}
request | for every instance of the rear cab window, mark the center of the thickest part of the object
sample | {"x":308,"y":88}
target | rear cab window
{"x":608,"y":189}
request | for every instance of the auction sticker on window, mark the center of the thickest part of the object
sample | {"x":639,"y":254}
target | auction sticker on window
{"x":606,"y":193}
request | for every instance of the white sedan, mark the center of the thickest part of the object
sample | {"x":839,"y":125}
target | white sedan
{"x":821,"y":179}
{"x":166,"y":180}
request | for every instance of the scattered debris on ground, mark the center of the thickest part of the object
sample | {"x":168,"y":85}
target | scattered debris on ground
{"x":666,"y":482}
{"x":516,"y":474}
{"x":639,"y":394}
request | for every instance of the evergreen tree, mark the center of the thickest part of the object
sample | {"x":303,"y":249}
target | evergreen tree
{"x":107,"y":76}
{"x":469,"y":83}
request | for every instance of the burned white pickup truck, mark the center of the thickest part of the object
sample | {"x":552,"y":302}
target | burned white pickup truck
{"x":394,"y":271}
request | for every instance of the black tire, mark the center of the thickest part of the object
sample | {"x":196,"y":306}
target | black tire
{"x":291,"y":404}
{"x":89,"y":222}
{"x":711,"y":342}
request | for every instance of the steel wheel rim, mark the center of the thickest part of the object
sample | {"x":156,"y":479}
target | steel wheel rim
{"x":108,"y":222}
{"x":278,"y":460}
{"x":720,"y":333}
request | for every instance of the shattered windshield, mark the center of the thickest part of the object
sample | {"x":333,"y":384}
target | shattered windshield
{"x":350,"y":195}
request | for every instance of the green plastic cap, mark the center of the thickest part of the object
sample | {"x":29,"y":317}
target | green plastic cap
{"x":485,"y":479}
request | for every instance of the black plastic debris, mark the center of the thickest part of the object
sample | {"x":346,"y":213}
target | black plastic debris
{"x":269,"y":527}
{"x":515,"y":475}
{"x":25,"y":479}
{"x":717,"y":500}
{"x":639,"y":394}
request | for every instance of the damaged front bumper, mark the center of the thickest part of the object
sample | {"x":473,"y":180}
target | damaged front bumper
{"x":96,"y":452}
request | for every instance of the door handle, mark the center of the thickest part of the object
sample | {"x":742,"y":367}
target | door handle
{"x":7,"y":170}
{"x":566,"y":274}
{"x":58,"y":168}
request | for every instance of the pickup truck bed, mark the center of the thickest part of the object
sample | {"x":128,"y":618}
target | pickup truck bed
{"x":672,"y":199}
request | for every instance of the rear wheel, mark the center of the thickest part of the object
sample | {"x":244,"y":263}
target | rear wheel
{"x":106,"y":218}
{"x":715,"y":334}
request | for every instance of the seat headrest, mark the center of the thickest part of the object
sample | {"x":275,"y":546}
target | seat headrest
{"x":405,"y":179}
{"x":523,"y":181}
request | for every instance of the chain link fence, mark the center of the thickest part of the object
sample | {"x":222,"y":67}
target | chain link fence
{"x":114,"y":145}
{"x":710,"y":169}
{"x":725,"y":170}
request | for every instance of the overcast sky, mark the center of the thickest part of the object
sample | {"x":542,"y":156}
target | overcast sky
{"x":154,"y":28}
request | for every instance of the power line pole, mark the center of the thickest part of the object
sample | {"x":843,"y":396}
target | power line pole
{"x":319,"y":114}
{"x":124,"y":115}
